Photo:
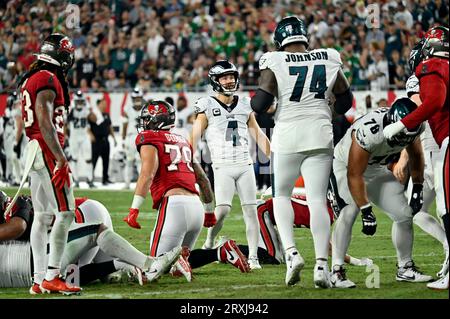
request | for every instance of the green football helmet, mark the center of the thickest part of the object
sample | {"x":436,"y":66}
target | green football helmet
{"x":289,"y":30}
{"x":399,"y":110}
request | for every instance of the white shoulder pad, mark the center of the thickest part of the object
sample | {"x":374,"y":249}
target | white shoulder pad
{"x":412,"y":85}
{"x":334,"y":56}
{"x":265,"y":62}
{"x":368,"y":132}
{"x":202,"y":104}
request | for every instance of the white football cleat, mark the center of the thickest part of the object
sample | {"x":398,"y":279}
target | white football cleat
{"x":294,"y":264}
{"x":366,"y":262}
{"x":182,"y":267}
{"x":162,"y":264}
{"x":410,"y":273}
{"x":339,"y":279}
{"x":444,"y":269}
{"x":440,"y":284}
{"x":253,"y":262}
{"x":321,"y":276}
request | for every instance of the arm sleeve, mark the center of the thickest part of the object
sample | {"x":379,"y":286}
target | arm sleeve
{"x":201,"y":105}
{"x":261,"y":101}
{"x":433,"y":92}
{"x":344,"y":102}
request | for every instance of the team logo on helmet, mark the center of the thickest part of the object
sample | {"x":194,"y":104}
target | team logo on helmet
{"x":156,"y":115}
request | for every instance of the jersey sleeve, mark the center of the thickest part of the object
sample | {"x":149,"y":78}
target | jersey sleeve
{"x":201,"y":105}
{"x":334,"y":56}
{"x":246,"y":101}
{"x":431,"y":66}
{"x":44,"y":80}
{"x":266,"y":61}
{"x":147,"y":138}
{"x":412,"y":85}
{"x":368,"y":136}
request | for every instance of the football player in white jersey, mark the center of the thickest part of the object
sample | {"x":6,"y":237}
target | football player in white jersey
{"x":80,"y":138}
{"x":131,"y":114}
{"x":227,"y":120}
{"x":360,"y":168}
{"x":303,"y":81}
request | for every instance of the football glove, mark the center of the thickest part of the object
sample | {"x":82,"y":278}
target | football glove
{"x":210,"y":219}
{"x":131,"y":219}
{"x":61,"y":176}
{"x":369,"y":221}
{"x":416,"y":200}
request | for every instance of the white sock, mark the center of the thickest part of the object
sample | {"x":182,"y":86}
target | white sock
{"x":402,"y":237}
{"x":430,"y":225}
{"x":58,"y":241}
{"x":251,"y":229}
{"x":342,"y":233}
{"x":115,"y":246}
{"x":284,"y":217}
{"x":39,"y":241}
{"x":221,"y":212}
{"x":320,"y":227}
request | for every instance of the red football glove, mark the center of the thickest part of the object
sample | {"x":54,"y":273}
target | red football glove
{"x":61,"y":176}
{"x":210,"y":219}
{"x":131,"y":219}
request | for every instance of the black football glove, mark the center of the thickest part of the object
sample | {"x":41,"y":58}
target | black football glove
{"x":369,"y":221}
{"x":416,"y":200}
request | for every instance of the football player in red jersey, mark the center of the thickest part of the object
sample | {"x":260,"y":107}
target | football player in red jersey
{"x":433,"y":77}
{"x":170,"y":174}
{"x":45,"y":98}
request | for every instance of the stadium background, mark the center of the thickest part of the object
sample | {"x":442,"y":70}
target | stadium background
{"x":166,"y":48}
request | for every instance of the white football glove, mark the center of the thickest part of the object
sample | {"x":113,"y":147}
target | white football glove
{"x":393,"y":129}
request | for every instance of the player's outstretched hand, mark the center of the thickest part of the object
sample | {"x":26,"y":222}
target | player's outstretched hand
{"x":393,"y":129}
{"x":210,"y":219}
{"x":61,"y":176}
{"x":131,"y":219}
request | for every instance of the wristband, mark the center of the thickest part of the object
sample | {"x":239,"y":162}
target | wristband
{"x":137,"y":201}
{"x":365,"y":206}
{"x":209,"y":207}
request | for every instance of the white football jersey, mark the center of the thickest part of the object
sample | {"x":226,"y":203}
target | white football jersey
{"x":428,"y":142}
{"x":78,"y":121}
{"x":10,"y":125}
{"x":227,"y":131}
{"x":305,"y":82}
{"x":369,"y":135}
{"x":182,"y":118}
{"x":132,"y":118}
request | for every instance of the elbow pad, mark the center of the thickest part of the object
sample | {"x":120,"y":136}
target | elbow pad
{"x":344,"y":102}
{"x":261,"y":101}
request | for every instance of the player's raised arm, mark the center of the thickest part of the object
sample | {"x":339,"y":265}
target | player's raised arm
{"x":258,"y":135}
{"x":342,"y":93}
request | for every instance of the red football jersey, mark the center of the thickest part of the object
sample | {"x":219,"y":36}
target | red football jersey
{"x":438,"y":121}
{"x":39,"y":81}
{"x":175,"y":163}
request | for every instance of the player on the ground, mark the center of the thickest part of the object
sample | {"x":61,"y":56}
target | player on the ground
{"x":131,"y":114}
{"x":92,"y":244}
{"x":303,"y":81}
{"x":45,"y":99}
{"x":433,"y":77}
{"x":227,"y":121}
{"x":168,"y":172}
{"x":80,"y":139}
{"x":360,"y":168}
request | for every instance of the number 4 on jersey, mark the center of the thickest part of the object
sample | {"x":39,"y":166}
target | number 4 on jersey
{"x":318,"y":81}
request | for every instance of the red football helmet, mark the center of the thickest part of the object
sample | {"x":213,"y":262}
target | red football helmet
{"x":156,"y":115}
{"x":436,"y":43}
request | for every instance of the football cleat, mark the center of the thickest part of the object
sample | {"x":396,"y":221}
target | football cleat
{"x":339,"y":279}
{"x":440,"y":284}
{"x":253,"y":262}
{"x":138,"y":274}
{"x":230,"y":253}
{"x":58,"y":285}
{"x":321,"y":276}
{"x":162,"y":264}
{"x":182,"y":267}
{"x":36,"y":289}
{"x":444,"y":268}
{"x":294,"y":264}
{"x":366,"y":262}
{"x":410,"y":273}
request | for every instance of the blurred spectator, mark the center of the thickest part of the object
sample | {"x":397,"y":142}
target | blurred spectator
{"x":403,"y":14}
{"x":378,"y":74}
{"x":382,"y":103}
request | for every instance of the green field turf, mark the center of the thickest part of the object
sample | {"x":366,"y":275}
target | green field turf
{"x":224,"y":281}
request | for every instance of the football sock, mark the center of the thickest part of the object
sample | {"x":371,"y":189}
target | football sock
{"x":284,"y":218}
{"x":39,"y":241}
{"x":251,"y":228}
{"x":402,"y":238}
{"x":91,"y":272}
{"x":58,"y":241}
{"x":320,"y":227}
{"x":342,"y":233}
{"x":116,"y":246}
{"x":430,"y":225}
{"x":201,"y":257}
{"x":263,"y":255}
{"x":221,"y":212}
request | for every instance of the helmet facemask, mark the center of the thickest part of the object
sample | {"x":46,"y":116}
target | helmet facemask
{"x":220,"y":69}
{"x":155,"y":116}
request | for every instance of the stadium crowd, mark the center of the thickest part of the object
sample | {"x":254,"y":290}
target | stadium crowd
{"x":170,"y":45}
